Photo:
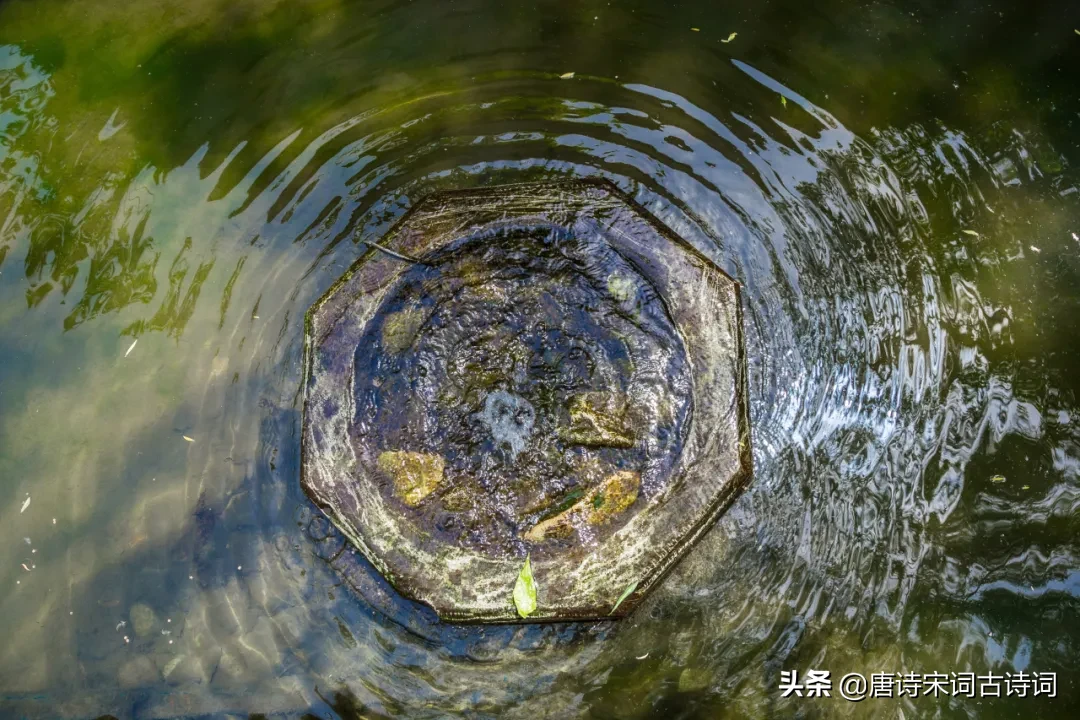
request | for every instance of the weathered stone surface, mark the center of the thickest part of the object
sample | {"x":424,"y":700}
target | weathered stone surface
{"x":555,"y":375}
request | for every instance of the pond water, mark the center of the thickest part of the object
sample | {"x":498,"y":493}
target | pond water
{"x":894,"y":184}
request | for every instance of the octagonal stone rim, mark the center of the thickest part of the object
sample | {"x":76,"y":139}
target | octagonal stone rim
{"x":707,"y":516}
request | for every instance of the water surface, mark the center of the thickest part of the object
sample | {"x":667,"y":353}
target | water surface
{"x":894,"y":185}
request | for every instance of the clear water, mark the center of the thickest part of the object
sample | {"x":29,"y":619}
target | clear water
{"x":893,"y":183}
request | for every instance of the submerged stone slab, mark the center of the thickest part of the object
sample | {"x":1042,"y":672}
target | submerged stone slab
{"x":534,"y":370}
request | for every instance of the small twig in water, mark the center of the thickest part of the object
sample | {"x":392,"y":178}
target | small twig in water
{"x":392,"y":253}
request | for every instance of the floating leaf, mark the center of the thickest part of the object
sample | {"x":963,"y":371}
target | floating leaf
{"x":730,"y":38}
{"x":525,"y":591}
{"x":998,"y":479}
{"x":189,"y":439}
{"x":625,"y":594}
{"x":132,"y":347}
{"x":1076,"y":31}
{"x":970,"y":232}
{"x":1026,"y":487}
{"x":566,"y":76}
{"x":783,"y":101}
{"x":695,"y":29}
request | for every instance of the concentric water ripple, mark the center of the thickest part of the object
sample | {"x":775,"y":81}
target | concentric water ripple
{"x":892,"y":338}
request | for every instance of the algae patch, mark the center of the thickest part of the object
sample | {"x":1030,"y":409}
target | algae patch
{"x":615,"y":494}
{"x":400,"y":328}
{"x":416,"y":475}
{"x":598,"y":419}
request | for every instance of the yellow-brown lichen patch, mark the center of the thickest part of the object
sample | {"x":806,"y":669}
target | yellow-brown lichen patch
{"x":560,"y":526}
{"x":614,"y":495}
{"x":621,"y":287}
{"x":400,"y":328}
{"x":598,"y":419}
{"x":415,"y":474}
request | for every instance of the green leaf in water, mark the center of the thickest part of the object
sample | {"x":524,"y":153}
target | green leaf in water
{"x":566,"y":76}
{"x":970,"y":232}
{"x":783,"y":101}
{"x":998,"y":479}
{"x":525,"y":591}
{"x":729,"y":38}
{"x":625,"y":594}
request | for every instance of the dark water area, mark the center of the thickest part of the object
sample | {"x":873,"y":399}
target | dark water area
{"x":893,"y":184}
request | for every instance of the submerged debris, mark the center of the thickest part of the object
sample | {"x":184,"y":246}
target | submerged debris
{"x":132,"y":347}
{"x":566,"y":76}
{"x":388,"y":251}
{"x":26,"y":504}
{"x":729,"y":37}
